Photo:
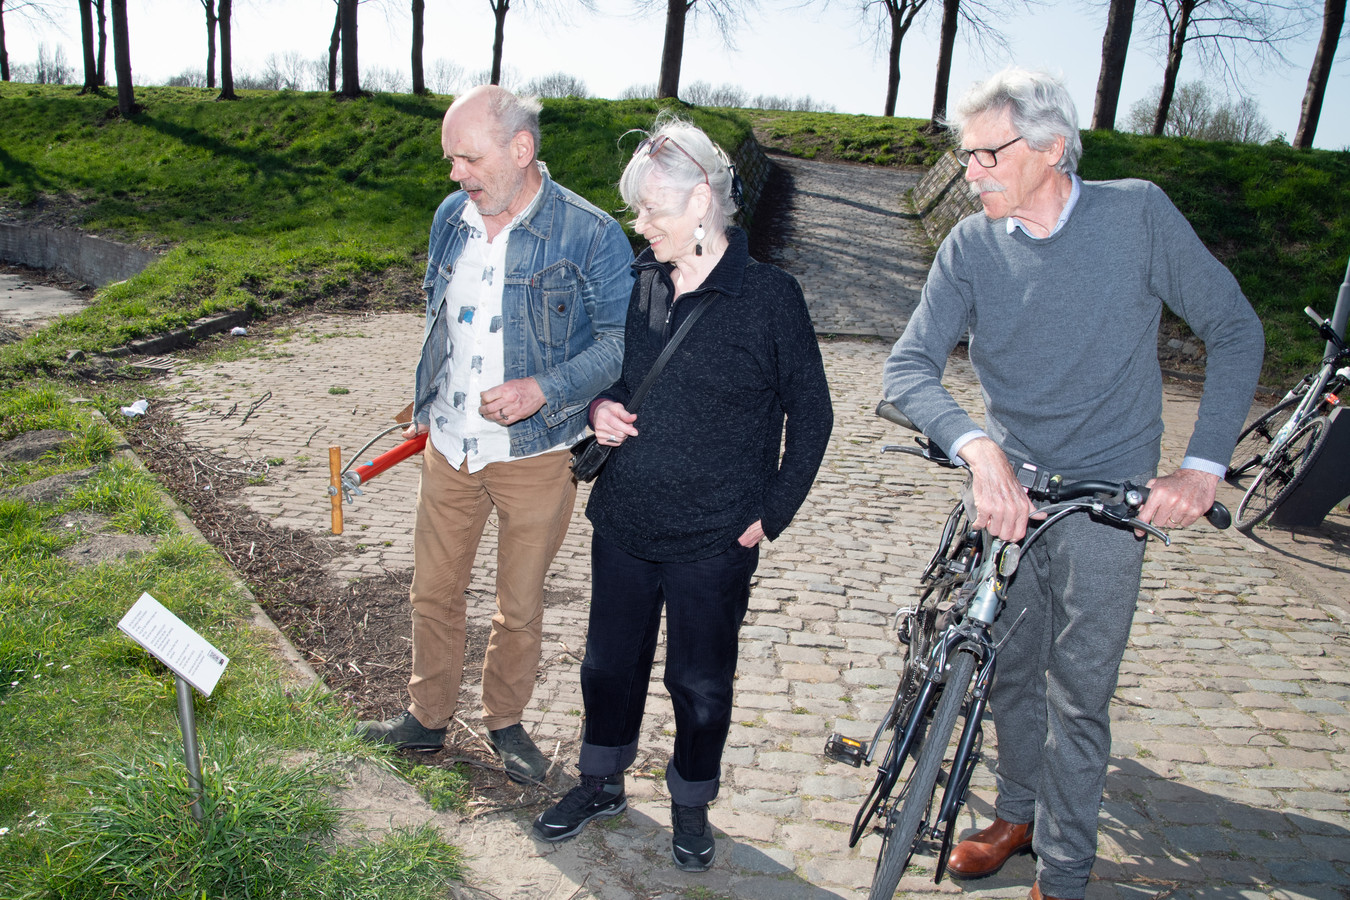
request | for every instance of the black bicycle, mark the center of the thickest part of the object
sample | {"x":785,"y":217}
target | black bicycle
{"x":1279,"y":448}
{"x":949,"y":662}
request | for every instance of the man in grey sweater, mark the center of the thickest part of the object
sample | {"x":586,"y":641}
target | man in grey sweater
{"x":1061,"y":285}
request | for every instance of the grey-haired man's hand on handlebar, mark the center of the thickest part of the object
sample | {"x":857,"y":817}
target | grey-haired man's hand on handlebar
{"x":1001,"y":502}
{"x":1179,"y":499}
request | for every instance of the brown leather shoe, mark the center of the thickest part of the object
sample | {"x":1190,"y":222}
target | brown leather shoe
{"x":985,"y":852}
{"x":1037,"y":895}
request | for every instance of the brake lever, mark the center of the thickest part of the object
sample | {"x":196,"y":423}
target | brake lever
{"x":1121,"y":514}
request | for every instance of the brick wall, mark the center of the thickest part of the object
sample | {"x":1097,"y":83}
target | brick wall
{"x":941,"y":198}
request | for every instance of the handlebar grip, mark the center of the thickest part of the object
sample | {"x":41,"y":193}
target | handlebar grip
{"x":887,"y":410}
{"x":1219,"y":516}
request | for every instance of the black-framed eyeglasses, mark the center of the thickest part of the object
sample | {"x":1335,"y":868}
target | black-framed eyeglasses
{"x":984,"y":156}
{"x":654,"y":145}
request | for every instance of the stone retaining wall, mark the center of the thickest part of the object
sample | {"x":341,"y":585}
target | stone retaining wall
{"x":753,"y":166}
{"x":93,"y":260}
{"x":941,"y":198}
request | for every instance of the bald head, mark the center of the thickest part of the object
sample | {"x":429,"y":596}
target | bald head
{"x":497,"y":111}
{"x":491,"y":137}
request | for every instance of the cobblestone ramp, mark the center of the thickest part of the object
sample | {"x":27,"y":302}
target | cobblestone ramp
{"x":853,"y":242}
{"x":1231,"y":729}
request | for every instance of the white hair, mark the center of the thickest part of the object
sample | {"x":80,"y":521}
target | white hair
{"x":1038,"y":104}
{"x":679,"y":174}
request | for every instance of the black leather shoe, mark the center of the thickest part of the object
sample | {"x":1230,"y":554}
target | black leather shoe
{"x":404,"y":732}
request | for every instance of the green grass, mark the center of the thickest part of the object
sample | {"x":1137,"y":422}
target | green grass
{"x":288,"y":198}
{"x":1279,"y":218}
{"x":876,"y":140}
{"x":279,"y":199}
{"x":93,"y":785}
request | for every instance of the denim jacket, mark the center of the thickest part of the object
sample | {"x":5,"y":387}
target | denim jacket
{"x":564,"y":301}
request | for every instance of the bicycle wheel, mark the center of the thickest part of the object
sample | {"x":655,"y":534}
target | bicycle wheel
{"x":1279,"y":477}
{"x":1255,"y":439}
{"x":902,"y":829}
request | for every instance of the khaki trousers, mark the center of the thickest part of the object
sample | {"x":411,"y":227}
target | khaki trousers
{"x":534,"y":499}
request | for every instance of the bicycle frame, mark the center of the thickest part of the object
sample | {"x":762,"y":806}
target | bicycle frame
{"x":1313,"y":393}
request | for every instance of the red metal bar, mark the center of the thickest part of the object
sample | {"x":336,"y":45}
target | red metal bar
{"x":391,"y":458}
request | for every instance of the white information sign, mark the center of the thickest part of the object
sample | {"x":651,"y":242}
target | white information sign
{"x":172,"y":642}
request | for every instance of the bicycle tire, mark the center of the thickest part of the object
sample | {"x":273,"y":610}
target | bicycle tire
{"x":1279,"y":477}
{"x":1255,"y":439}
{"x":907,"y":692}
{"x":897,"y":845}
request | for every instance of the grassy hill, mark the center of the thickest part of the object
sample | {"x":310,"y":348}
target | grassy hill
{"x":1279,"y":218}
{"x":281,"y":198}
{"x":289,"y":198}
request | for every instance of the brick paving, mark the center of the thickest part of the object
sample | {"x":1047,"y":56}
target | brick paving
{"x":1230,"y":773}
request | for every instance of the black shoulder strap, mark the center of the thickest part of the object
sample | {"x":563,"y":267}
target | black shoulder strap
{"x":661,"y":360}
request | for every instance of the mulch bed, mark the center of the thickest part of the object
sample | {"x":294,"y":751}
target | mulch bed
{"x":356,"y":635}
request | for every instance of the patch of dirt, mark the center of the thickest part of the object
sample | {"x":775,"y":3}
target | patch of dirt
{"x":356,"y":636}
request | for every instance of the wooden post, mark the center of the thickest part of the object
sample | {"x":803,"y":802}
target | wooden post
{"x":335,"y":486}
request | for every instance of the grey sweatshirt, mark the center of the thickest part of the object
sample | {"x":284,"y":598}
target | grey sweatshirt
{"x":1063,"y":335}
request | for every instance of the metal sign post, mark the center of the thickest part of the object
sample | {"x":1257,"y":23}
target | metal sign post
{"x":195,"y":664}
{"x":188,"y":721}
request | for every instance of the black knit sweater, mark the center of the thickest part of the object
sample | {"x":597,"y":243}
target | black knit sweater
{"x":706,"y":463}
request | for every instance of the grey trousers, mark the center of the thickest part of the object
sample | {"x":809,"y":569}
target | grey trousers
{"x":1051,"y":696}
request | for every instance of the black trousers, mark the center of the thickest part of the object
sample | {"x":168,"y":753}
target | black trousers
{"x":705,"y":603}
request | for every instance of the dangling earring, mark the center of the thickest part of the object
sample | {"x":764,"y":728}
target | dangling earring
{"x":699,"y":235}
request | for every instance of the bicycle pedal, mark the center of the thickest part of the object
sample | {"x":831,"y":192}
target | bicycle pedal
{"x":845,"y":750}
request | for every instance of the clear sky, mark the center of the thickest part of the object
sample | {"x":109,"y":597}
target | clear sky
{"x":783,"y":49}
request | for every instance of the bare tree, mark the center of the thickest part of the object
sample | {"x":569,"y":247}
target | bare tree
{"x":32,"y":10}
{"x":951,"y":16}
{"x":419,"y":85}
{"x":87,"y":44}
{"x":126,"y":97}
{"x":701,"y":93}
{"x":1228,"y":35}
{"x":1115,"y":43}
{"x":556,"y":84}
{"x":726,"y":15}
{"x":446,"y":76}
{"x":225,"y":12}
{"x":351,"y":73}
{"x":555,"y":10}
{"x":1196,"y":112}
{"x":211,"y":18}
{"x":1333,"y":20}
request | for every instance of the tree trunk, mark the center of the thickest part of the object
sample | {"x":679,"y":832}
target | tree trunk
{"x":1115,"y":43}
{"x":672,"y":52}
{"x":87,"y":41}
{"x":951,"y":10}
{"x":4,"y":54}
{"x":210,"y":6}
{"x":101,"y":9}
{"x":334,"y":44}
{"x":1176,"y":43}
{"x":351,"y":75}
{"x":419,"y":85}
{"x":499,"y":10}
{"x":226,"y":52}
{"x":893,"y":64}
{"x":1333,"y":19}
{"x":126,"y":97}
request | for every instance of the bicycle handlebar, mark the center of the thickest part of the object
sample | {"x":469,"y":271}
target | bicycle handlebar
{"x":1125,"y":498}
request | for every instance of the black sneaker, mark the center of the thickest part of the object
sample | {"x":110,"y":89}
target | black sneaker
{"x":404,"y":732}
{"x":520,"y":756}
{"x":592,"y":798}
{"x":692,"y":845}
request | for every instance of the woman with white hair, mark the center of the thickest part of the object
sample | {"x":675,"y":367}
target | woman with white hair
{"x":695,"y":480}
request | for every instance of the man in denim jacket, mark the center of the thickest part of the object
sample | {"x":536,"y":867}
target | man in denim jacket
{"x":527,"y":290}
